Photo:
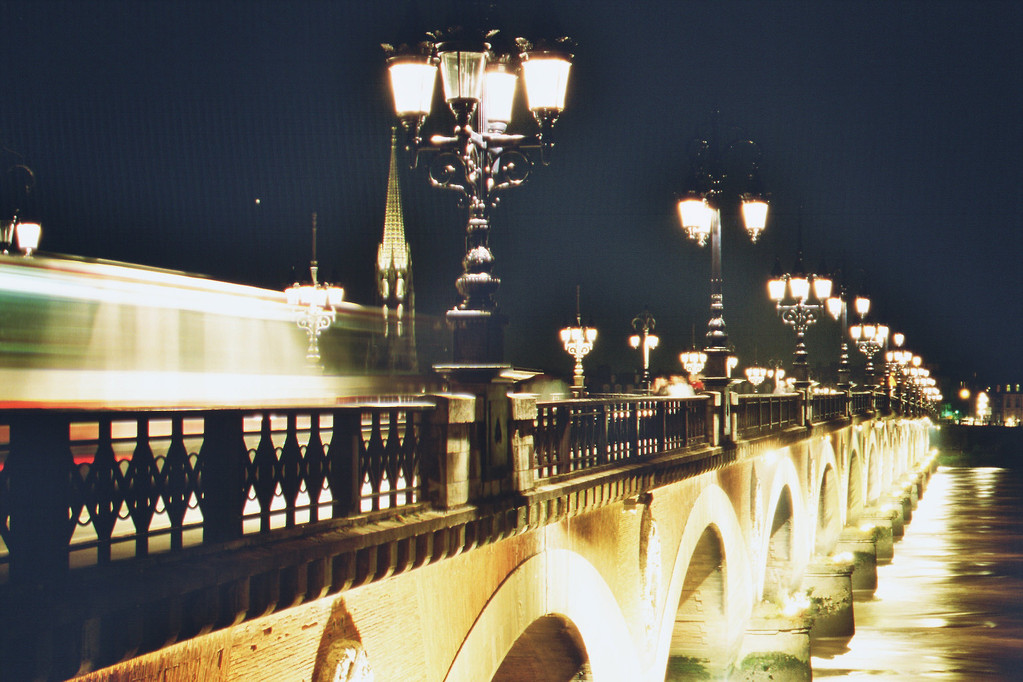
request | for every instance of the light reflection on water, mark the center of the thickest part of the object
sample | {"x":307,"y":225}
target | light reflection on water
{"x":950,"y":605}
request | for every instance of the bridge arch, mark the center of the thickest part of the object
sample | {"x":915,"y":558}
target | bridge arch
{"x":874,"y":466}
{"x":829,"y":511}
{"x":855,"y":489}
{"x":574,"y":605}
{"x":709,"y":595}
{"x":784,"y":535}
{"x":550,"y":650}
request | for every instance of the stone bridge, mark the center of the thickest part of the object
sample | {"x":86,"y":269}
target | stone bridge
{"x":450,"y":538}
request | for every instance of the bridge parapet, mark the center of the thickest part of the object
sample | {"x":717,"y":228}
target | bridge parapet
{"x":199,"y":519}
{"x":79,"y":488}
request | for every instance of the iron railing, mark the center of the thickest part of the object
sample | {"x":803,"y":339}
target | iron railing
{"x":83,"y":488}
{"x":575,"y":435}
{"x":759,"y":414}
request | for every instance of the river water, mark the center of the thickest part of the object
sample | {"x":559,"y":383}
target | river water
{"x":950,"y":605}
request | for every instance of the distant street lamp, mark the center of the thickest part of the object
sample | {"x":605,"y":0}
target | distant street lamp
{"x":869,"y":338}
{"x":755,"y":374}
{"x":700,"y":213}
{"x":799,"y":298}
{"x":896,"y":360}
{"x":479,"y":160}
{"x":693,"y":361}
{"x":645,"y":340}
{"x":315,"y":305}
{"x":776,"y":373}
{"x":578,"y":342}
{"x":838,"y":307}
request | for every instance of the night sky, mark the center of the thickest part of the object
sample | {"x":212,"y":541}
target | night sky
{"x":890,"y":133}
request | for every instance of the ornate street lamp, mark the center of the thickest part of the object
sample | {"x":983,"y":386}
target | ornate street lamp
{"x":869,"y":338}
{"x":693,"y":361}
{"x":896,"y":361}
{"x":645,"y":340}
{"x":776,"y":373}
{"x":755,"y":374}
{"x":23,"y":236}
{"x":16,"y":233}
{"x":799,"y":298}
{"x":479,"y":160}
{"x":578,"y":342}
{"x":700,"y":214}
{"x":314,"y":305}
{"x":838,"y":307}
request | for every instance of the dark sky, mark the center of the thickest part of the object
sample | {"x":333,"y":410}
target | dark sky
{"x":890,"y":131}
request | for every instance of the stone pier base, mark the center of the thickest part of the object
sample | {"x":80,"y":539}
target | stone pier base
{"x":828,"y":583}
{"x":863,"y":549}
{"x":883,"y":534}
{"x":775,"y":647}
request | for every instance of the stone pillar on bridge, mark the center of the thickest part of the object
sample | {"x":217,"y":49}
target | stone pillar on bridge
{"x":520,"y":427}
{"x":451,"y":425}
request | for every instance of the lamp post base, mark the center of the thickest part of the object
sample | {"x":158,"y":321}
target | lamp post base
{"x":478,"y":336}
{"x":716,"y":373}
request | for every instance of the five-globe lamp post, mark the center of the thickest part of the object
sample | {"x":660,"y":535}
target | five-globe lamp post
{"x":755,"y":374}
{"x":479,"y":159}
{"x":799,"y":298}
{"x":700,"y":214}
{"x":693,"y":361}
{"x":578,"y":342}
{"x":314,"y":305}
{"x":645,"y":340}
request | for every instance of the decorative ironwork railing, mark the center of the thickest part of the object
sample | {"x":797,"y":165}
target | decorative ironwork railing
{"x":825,"y":406}
{"x":758,"y":414}
{"x":575,"y":435}
{"x":92,"y":487}
{"x":861,"y":401}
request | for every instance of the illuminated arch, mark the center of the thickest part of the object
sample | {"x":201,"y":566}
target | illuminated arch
{"x":784,"y":482}
{"x":829,"y":511}
{"x":550,"y":650}
{"x":571,"y":591}
{"x":711,"y":556}
{"x":855,"y":490}
{"x":826,"y":494}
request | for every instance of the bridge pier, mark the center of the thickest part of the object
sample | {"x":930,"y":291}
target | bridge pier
{"x":861,"y":546}
{"x":776,"y":646}
{"x":884,"y":532}
{"x":828,"y":583}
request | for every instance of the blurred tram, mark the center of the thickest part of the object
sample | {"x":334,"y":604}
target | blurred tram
{"x":81,"y":333}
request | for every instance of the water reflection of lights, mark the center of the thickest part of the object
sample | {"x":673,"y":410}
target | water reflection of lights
{"x":889,"y":626}
{"x":983,"y":481}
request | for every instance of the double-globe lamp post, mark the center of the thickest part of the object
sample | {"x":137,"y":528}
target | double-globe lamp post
{"x":645,"y":340}
{"x":700,"y":213}
{"x":479,"y":159}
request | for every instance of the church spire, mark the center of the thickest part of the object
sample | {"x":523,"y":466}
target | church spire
{"x":393,"y":255}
